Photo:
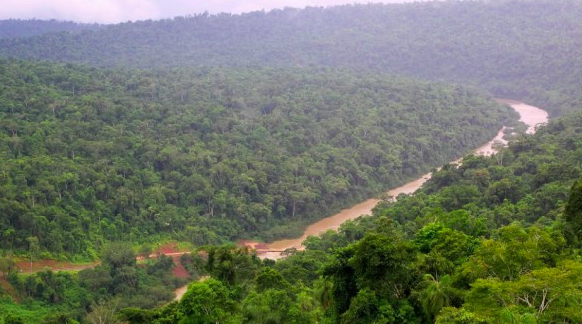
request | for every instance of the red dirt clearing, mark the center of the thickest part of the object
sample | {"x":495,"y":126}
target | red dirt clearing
{"x":172,"y":250}
{"x":169,"y":249}
{"x":179,"y":271}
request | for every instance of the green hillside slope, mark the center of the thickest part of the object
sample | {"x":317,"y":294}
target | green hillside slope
{"x":520,"y":49}
{"x":212,"y":155}
{"x":488,"y":242}
{"x":14,"y":28}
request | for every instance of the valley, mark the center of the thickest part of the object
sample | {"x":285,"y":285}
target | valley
{"x":530,"y":115}
{"x":184,"y":170}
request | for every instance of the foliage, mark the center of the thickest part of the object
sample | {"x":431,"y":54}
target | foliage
{"x":549,"y":295}
{"x":455,"y":267}
{"x":207,"y":302}
{"x":413,"y":261}
{"x":517,"y":49}
{"x":93,"y":294}
{"x":211,"y":155}
{"x":92,"y":157}
{"x":7,"y":266}
{"x":573,"y":213}
{"x":13,"y":28}
{"x":537,"y":177}
{"x":232,"y":265}
{"x":450,"y":315}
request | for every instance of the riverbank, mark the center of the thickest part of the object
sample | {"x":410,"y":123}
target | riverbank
{"x":530,"y":115}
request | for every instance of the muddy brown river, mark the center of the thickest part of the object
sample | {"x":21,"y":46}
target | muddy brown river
{"x":530,"y":115}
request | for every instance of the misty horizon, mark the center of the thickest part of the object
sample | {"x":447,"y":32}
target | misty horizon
{"x":119,"y":11}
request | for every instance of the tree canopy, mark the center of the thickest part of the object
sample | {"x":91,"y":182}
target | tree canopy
{"x":523,"y":49}
{"x":212,"y":155}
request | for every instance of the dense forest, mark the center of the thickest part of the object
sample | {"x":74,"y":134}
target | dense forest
{"x":13,"y":28}
{"x":92,"y":295}
{"x":212,"y":155}
{"x":514,"y":48}
{"x":207,"y":129}
{"x":494,"y":240}
{"x":488,"y":241}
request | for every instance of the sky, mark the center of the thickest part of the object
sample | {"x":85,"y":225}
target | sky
{"x":115,"y":11}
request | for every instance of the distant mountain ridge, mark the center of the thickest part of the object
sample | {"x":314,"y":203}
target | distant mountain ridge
{"x":522,"y":49}
{"x":14,"y":28}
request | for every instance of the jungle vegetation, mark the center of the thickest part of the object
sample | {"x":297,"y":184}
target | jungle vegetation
{"x":520,"y":49}
{"x":211,"y":128}
{"x":212,"y":155}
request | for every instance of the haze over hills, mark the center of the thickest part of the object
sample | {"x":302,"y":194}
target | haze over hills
{"x":107,"y":12}
{"x":524,"y":49}
{"x":180,"y":135}
{"x":12,"y":28}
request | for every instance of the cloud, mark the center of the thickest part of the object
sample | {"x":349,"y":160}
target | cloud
{"x":113,"y":11}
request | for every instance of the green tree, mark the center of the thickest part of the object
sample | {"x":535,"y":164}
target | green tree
{"x":33,"y":248}
{"x":145,"y":250}
{"x":269,"y":278}
{"x":366,"y":307}
{"x":208,"y":302}
{"x":13,"y":319}
{"x":343,"y":281}
{"x":381,"y":263}
{"x":232,"y":265}
{"x":437,"y":294}
{"x":117,"y":255}
{"x":573,"y":214}
{"x":451,"y":315}
{"x":517,"y":251}
{"x":549,"y":295}
{"x":103,"y":313}
{"x":7,"y":266}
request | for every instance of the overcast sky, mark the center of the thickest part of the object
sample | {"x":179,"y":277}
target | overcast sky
{"x":113,"y":11}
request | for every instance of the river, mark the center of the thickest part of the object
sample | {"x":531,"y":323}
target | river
{"x":530,"y":115}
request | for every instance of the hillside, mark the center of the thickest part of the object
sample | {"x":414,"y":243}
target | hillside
{"x":14,"y":28}
{"x":210,"y":155}
{"x":516,"y":49}
{"x":491,"y":241}
{"x":120,"y":142}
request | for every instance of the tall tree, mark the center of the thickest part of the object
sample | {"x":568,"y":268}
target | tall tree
{"x":573,"y":214}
